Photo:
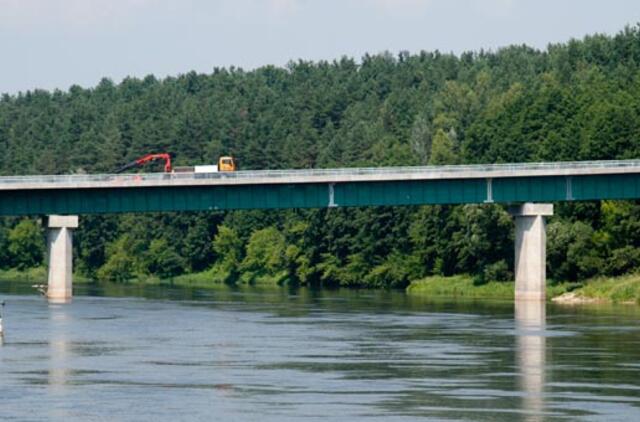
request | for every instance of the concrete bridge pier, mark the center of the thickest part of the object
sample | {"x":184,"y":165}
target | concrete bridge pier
{"x":531,"y":250}
{"x":60,"y":257}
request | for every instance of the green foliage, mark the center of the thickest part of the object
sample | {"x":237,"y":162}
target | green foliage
{"x":265,"y":260}
{"x":623,"y":260}
{"x":572,"y":252}
{"x":355,"y":270}
{"x":32,"y":275}
{"x":622,"y":289}
{"x":197,"y":249}
{"x":498,"y":271}
{"x":442,"y":149}
{"x":465,"y":287}
{"x":573,"y":101}
{"x":396,"y":271}
{"x":228,"y":248}
{"x":119,"y":268}
{"x":123,"y":262}
{"x":482,"y":238}
{"x":461,"y":286}
{"x":90,"y":241}
{"x":5,"y":260}
{"x":163,"y":260}
{"x":26,"y":244}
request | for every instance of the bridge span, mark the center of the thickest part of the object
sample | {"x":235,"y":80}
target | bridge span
{"x":500,"y":183}
{"x":525,"y":185}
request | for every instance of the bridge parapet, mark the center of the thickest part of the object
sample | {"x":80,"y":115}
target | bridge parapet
{"x":341,"y":175}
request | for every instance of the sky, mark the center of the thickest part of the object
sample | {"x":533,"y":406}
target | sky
{"x":51,"y":44}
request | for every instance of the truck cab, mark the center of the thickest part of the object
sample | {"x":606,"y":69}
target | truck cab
{"x":227,"y":163}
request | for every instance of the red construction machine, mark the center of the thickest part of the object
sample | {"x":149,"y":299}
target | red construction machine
{"x":147,"y":158}
{"x":225,"y":164}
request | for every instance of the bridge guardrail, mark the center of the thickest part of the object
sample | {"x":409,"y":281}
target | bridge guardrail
{"x":515,"y":167}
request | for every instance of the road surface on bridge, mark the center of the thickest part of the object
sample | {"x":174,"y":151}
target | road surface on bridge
{"x":340,"y":175}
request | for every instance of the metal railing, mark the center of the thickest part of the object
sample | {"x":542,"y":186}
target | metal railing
{"x":249,"y":174}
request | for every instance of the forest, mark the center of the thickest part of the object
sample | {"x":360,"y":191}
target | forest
{"x":578,"y":100}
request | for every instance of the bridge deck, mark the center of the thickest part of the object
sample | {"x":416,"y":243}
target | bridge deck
{"x":343,"y":175}
{"x":357,"y":187}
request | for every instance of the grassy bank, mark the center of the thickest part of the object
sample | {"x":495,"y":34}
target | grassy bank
{"x":36,"y":275}
{"x":463,"y":286}
{"x":202,"y":279}
{"x":623,"y":289}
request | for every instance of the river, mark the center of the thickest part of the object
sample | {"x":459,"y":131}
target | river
{"x":166,"y":354}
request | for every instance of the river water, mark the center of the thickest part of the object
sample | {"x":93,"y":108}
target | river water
{"x":169,"y":354}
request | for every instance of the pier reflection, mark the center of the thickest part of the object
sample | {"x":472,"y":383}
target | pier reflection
{"x":58,"y":372}
{"x":530,"y":319}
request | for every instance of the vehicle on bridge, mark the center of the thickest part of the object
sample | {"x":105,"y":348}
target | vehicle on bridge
{"x":225,"y":164}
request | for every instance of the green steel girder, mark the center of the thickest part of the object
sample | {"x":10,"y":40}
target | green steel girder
{"x":318,"y":195}
{"x":410,"y":192}
{"x":158,"y":199}
{"x":615,"y":186}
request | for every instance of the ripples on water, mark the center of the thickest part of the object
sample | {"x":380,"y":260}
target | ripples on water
{"x":277,"y":355}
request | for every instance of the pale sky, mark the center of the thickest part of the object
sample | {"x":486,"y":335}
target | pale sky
{"x":57,"y":43}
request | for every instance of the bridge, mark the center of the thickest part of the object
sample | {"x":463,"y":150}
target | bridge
{"x":529,"y":185}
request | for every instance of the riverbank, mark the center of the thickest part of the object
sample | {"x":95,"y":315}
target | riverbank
{"x":622,"y":289}
{"x":37,"y":275}
{"x":30,"y":275}
{"x":463,"y":286}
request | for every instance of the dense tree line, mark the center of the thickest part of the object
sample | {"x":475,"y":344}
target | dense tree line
{"x":574,"y":101}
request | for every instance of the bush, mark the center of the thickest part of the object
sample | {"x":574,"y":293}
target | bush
{"x":395,"y":271}
{"x":163,"y":260}
{"x":5,"y":258}
{"x":26,"y":245}
{"x":572,"y":253}
{"x":623,"y":260}
{"x":228,"y":249}
{"x":118,"y":268}
{"x":265,"y":260}
{"x":498,"y":271}
{"x":124,"y":260}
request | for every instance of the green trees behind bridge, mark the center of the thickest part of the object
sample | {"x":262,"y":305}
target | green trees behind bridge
{"x":574,"y":101}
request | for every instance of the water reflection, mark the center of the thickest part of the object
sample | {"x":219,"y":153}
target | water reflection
{"x":283,"y":355}
{"x":530,"y":356}
{"x":59,"y":344}
{"x":59,"y":301}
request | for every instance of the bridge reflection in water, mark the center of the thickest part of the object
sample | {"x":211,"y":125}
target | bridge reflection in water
{"x":530,"y":324}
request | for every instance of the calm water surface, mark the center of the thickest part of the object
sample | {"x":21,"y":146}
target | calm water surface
{"x":284,"y":355}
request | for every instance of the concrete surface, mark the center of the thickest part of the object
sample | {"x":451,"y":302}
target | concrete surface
{"x":531,"y":250}
{"x":342,"y":175}
{"x":60,"y":257}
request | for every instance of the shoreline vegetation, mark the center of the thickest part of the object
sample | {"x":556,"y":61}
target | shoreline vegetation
{"x":464,"y":286}
{"x":573,"y":101}
{"x":618,"y":290}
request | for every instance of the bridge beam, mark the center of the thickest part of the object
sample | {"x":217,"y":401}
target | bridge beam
{"x":531,"y":250}
{"x":60,"y":257}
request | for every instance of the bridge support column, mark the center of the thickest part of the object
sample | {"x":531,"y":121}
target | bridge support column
{"x":531,"y":250}
{"x":60,"y":257}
